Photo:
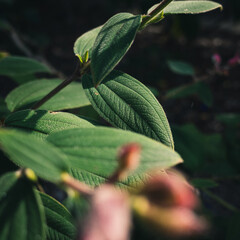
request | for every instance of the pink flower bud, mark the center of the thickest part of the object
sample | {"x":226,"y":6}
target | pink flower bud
{"x":176,"y":221}
{"x":235,"y":60}
{"x":166,"y":203}
{"x":170,"y":190}
{"x":129,"y":156}
{"x":109,"y":217}
{"x":217,"y":60}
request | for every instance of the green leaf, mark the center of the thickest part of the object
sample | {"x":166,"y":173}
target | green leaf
{"x":181,"y":67}
{"x":59,"y":220}
{"x":29,"y":152}
{"x":202,"y":153}
{"x":200,"y":89}
{"x":92,"y":152}
{"x":85,"y":42}
{"x":6,"y":182}
{"x":21,"y":214}
{"x":21,"y":69}
{"x":229,"y":119}
{"x":112,"y":43}
{"x":128,"y":104}
{"x":6,"y":164}
{"x":27,"y":94}
{"x":188,"y":7}
{"x":3,"y":108}
{"x":43,"y":123}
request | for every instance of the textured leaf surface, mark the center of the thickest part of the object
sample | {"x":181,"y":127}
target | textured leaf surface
{"x":21,"y":69}
{"x":21,"y":214}
{"x":112,"y":43}
{"x":128,"y":104}
{"x":58,"y":219}
{"x":28,"y":151}
{"x":85,"y":42}
{"x":188,"y":7}
{"x":27,"y":94}
{"x":92,"y":151}
{"x":43,"y":123}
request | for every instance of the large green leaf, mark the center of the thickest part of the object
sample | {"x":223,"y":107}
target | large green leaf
{"x":43,"y":123}
{"x":59,"y":220}
{"x":112,"y":43}
{"x":21,"y":69}
{"x":85,"y":42}
{"x":21,"y":214}
{"x":92,"y":152}
{"x":128,"y":104}
{"x":29,"y":152}
{"x":188,"y":7}
{"x":27,"y":94}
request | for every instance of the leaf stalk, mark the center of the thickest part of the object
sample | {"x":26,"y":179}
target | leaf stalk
{"x":154,"y":13}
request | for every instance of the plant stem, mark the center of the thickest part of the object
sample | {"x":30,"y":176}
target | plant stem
{"x":76,"y":185}
{"x":156,"y":11}
{"x":221,"y":201}
{"x":57,"y":89}
{"x":77,"y":74}
{"x":160,"y":7}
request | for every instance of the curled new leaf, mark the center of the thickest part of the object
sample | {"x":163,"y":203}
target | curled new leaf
{"x":85,"y":42}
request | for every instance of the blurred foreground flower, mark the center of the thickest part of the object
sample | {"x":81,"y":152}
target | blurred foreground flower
{"x":128,"y":160}
{"x":109,"y":218}
{"x":166,"y":202}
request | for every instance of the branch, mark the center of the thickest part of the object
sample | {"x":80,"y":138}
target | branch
{"x":62,"y":85}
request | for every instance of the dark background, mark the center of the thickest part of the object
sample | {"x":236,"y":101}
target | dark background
{"x":48,"y":28}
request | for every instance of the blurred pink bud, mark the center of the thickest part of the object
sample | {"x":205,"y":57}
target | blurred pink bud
{"x":129,"y":156}
{"x":128,"y":160}
{"x":177,"y":221}
{"x":217,"y":60}
{"x":109,"y":217}
{"x":170,"y":190}
{"x":166,"y":202}
{"x":235,"y":60}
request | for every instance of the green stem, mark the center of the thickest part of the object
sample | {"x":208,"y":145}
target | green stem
{"x":221,"y":201}
{"x":76,"y":185}
{"x":77,"y":74}
{"x":156,"y":11}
